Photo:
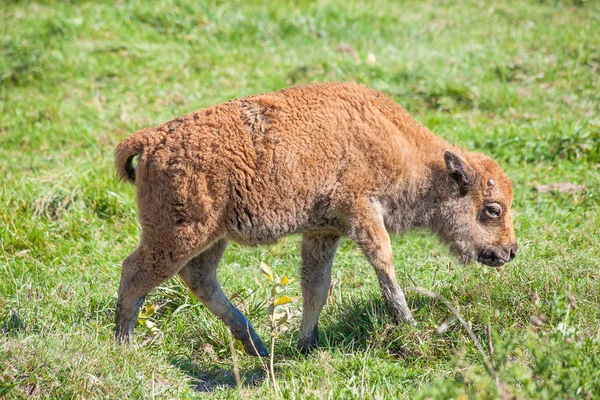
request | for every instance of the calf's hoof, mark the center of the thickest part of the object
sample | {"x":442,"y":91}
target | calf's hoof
{"x":402,"y":315}
{"x":122,"y":336}
{"x":308,"y":343}
{"x":255,"y":347}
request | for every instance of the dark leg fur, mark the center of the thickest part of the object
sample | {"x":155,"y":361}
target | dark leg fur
{"x":200,"y":275}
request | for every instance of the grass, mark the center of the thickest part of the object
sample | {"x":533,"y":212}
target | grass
{"x":519,"y":81}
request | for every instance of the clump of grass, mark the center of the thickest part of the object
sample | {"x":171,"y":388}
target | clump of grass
{"x":552,"y":358}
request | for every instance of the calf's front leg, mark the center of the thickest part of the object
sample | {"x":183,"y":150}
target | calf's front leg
{"x":318,"y":251}
{"x":368,"y":231}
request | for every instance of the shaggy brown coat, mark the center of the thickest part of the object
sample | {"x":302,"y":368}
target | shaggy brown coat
{"x":325,"y":160}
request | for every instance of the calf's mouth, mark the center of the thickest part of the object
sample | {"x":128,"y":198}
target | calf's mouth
{"x":497,"y":257}
{"x":486,"y":258}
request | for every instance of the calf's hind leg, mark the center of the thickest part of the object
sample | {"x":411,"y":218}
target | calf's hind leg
{"x":200,"y":275}
{"x":318,"y":251}
{"x":159,"y":257}
{"x":142,"y":271}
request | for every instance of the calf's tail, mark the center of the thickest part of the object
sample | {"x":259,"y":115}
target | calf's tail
{"x":125,"y":153}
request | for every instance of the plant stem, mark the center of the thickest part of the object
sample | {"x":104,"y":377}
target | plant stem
{"x":272,"y":355}
{"x":236,"y":369}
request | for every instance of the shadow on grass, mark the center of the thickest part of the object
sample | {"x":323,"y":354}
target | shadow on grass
{"x":207,"y":380}
{"x":349,"y":326}
{"x":364,"y":324}
{"x":352,"y":325}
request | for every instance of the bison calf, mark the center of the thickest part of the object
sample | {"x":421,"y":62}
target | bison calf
{"x":324,"y":160}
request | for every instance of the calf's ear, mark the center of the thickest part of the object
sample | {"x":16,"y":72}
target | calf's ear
{"x":459,"y":171}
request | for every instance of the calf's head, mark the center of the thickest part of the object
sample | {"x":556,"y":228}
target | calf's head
{"x":475,"y":216}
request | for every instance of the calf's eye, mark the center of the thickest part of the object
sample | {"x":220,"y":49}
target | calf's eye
{"x":493,"y":210}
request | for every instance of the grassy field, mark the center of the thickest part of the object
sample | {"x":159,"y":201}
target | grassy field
{"x":519,"y":81}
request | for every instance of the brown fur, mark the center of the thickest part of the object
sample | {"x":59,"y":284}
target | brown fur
{"x":324,"y":160}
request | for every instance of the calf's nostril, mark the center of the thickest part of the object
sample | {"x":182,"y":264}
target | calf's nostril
{"x":513,"y":253}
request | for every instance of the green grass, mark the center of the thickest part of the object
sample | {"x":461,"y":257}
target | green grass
{"x":519,"y":81}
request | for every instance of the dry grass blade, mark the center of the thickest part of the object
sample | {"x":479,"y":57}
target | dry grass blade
{"x":236,"y":368}
{"x":488,"y":332}
{"x":563,"y":187}
{"x":486,"y":360}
